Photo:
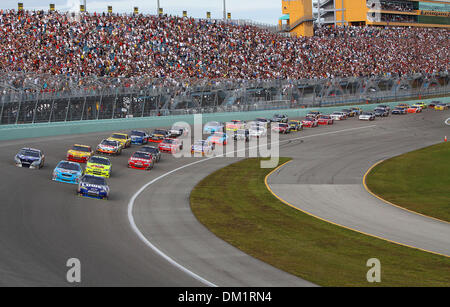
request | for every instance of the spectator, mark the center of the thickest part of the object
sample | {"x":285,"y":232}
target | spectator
{"x":176,"y":50}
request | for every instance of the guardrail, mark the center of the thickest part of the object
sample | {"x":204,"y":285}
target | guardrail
{"x":22,"y":131}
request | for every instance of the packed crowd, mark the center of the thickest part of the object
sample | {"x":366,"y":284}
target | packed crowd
{"x":174,"y":48}
{"x":397,"y":6}
{"x":398,"y":18}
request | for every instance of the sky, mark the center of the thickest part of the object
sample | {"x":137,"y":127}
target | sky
{"x":264,"y":11}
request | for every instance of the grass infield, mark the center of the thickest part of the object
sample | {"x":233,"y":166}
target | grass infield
{"x":418,"y":181}
{"x":235,"y":205}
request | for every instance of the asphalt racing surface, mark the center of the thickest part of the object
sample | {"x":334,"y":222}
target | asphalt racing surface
{"x":149,"y":237}
{"x":325,"y":180}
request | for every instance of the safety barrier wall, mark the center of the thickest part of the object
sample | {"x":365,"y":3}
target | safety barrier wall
{"x":12,"y":132}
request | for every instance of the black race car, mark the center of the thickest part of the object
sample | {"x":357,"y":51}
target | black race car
{"x":156,"y":154}
{"x":381,"y":112}
{"x":158,"y":135}
{"x":242,"y":134}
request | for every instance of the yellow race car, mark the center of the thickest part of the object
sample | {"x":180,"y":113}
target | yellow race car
{"x":123,"y":138}
{"x":423,"y":105}
{"x":441,"y":106}
{"x":234,"y":125}
{"x":79,"y":153}
{"x":98,"y":166}
{"x":403,"y":105}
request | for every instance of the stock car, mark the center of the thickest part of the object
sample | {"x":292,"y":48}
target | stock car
{"x":381,"y":112}
{"x":281,"y":128}
{"x":277,"y":118}
{"x":349,"y":112}
{"x":93,"y":187}
{"x":79,"y":153}
{"x":177,"y":131}
{"x":357,"y":110}
{"x":30,"y":158}
{"x":242,"y":134}
{"x":338,"y":115}
{"x":384,"y":106}
{"x":67,"y":172}
{"x":441,"y":106}
{"x":109,"y":147}
{"x":203,"y":147}
{"x":325,"y":120}
{"x":170,"y":145}
{"x":154,"y":151}
{"x":313,"y":114}
{"x":367,"y":116}
{"x":264,"y":122}
{"x":257,"y":131}
{"x":158,"y":135}
{"x":99,"y":166}
{"x":295,"y":125}
{"x":432,"y":104}
{"x":414,"y":109}
{"x":234,"y":125}
{"x":310,"y":122}
{"x":422,"y":104}
{"x":139,"y":137}
{"x":141,"y":160}
{"x":398,"y":111}
{"x":123,"y":138}
{"x":219,"y":138}
{"x":213,"y":127}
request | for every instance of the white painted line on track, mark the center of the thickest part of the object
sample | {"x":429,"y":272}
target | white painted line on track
{"x":136,"y":195}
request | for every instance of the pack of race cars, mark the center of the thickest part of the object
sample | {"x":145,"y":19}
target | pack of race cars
{"x":91,"y":180}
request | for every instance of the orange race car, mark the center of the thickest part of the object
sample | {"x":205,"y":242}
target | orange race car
{"x":414,"y":109}
{"x":79,"y":153}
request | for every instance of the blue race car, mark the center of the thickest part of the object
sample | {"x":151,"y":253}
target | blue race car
{"x":213,"y":127}
{"x":139,"y":137}
{"x":218,"y":138}
{"x":93,"y":187}
{"x":30,"y":158}
{"x":68,"y":172}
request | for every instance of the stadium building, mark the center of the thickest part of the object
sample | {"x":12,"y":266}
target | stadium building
{"x":299,"y":16}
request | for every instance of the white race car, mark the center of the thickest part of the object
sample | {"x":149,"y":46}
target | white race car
{"x":178,"y":131}
{"x":338,"y":116}
{"x":367,"y":116}
{"x":257,"y":131}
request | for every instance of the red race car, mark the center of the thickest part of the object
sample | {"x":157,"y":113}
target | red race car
{"x":414,"y":109}
{"x":310,"y":122}
{"x":141,"y":160}
{"x":325,"y":120}
{"x":171,"y":145}
{"x":281,"y":128}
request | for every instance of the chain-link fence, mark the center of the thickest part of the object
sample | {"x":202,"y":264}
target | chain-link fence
{"x":29,"y":98}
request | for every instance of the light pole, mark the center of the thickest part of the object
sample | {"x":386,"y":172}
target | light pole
{"x":224,"y":10}
{"x":158,"y":5}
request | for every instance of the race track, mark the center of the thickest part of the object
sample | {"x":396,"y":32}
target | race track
{"x":43,"y":223}
{"x":325,"y":180}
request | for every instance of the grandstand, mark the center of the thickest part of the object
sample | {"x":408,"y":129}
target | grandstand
{"x":409,"y":13}
{"x":54,"y":67}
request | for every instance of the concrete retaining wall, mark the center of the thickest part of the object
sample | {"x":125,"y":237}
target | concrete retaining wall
{"x":11,"y":132}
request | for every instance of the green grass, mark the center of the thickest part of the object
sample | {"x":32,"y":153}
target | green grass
{"x":418,"y":181}
{"x":235,"y":204}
